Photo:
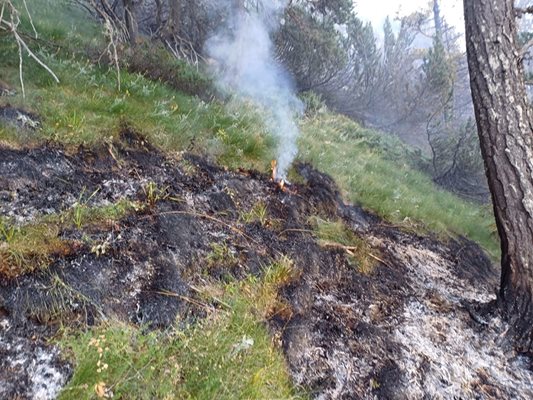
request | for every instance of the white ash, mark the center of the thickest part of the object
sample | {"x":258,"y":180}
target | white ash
{"x":29,"y":369}
{"x":443,"y":357}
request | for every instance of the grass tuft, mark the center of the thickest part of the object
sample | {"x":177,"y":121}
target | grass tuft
{"x":258,"y":213}
{"x":336,"y":234}
{"x":32,"y":247}
{"x":29,"y":248}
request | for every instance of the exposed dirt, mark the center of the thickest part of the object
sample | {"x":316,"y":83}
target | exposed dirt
{"x":402,"y":331}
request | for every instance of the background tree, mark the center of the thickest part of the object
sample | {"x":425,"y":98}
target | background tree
{"x":309,"y":43}
{"x":505,"y":129}
{"x":130,"y":18}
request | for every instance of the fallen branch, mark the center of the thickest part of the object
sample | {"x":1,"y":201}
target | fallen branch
{"x":216,"y":299}
{"x":311,"y":232}
{"x":378,"y":259}
{"x":184,"y":298}
{"x":351,"y":251}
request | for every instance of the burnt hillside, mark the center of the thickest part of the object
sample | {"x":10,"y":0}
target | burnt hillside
{"x":390,"y":315}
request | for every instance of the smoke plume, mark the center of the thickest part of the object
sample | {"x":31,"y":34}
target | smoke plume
{"x":246,"y":65}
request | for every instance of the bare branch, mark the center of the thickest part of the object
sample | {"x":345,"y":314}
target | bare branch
{"x":111,"y":33}
{"x":520,"y":12}
{"x":31,"y":19}
{"x":526,"y":48}
{"x":20,"y":69}
{"x":12,"y":27}
{"x":2,"y":14}
{"x":32,"y":55}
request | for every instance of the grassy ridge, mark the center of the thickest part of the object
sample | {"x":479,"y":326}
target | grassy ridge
{"x":86,"y":107}
{"x":377,"y":172}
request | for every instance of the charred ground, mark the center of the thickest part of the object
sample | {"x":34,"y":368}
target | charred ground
{"x":400,"y":329}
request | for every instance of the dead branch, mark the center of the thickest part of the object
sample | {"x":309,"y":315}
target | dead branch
{"x":197,"y":303}
{"x":351,"y":250}
{"x":520,"y":12}
{"x":115,"y":31}
{"x":525,"y":48}
{"x":111,"y":34}
{"x":182,"y":48}
{"x":30,"y":18}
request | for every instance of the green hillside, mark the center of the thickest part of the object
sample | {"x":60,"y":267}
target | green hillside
{"x":86,"y":108}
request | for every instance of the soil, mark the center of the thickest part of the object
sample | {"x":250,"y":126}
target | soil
{"x":403,"y":330}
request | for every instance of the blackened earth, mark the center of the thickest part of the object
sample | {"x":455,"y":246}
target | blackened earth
{"x":349,"y":335}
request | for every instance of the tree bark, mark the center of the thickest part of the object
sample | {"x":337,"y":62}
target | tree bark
{"x":131,"y":21}
{"x":505,"y":131}
{"x":174,"y":18}
{"x":437,"y":19}
{"x":158,"y":14}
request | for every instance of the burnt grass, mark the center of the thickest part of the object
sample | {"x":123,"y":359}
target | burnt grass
{"x":338,"y":335}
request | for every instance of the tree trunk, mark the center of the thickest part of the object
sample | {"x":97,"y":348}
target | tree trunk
{"x":237,"y":5}
{"x":505,"y":131}
{"x":158,"y":14}
{"x":173,"y":22}
{"x":131,"y":21}
{"x":437,"y":19}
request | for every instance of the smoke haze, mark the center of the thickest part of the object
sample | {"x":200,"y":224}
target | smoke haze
{"x":246,"y":65}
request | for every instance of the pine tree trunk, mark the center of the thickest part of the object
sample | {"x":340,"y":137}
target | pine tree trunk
{"x":503,"y":117}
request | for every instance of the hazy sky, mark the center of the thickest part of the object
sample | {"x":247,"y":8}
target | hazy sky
{"x":377,"y":10}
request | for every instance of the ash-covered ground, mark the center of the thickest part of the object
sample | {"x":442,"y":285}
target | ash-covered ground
{"x":406,"y":329}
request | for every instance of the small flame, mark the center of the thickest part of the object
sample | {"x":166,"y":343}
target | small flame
{"x":274,"y":167}
{"x":275,"y":178}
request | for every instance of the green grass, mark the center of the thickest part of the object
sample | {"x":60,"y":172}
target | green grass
{"x":228,"y":355}
{"x":25,"y":249}
{"x":86,"y":106}
{"x":380,"y":173}
{"x":215,"y":357}
{"x":258,"y":213}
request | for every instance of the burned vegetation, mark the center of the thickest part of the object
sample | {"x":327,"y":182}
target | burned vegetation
{"x":122,"y":231}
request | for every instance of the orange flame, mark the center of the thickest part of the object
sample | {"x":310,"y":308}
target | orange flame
{"x":280,"y":182}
